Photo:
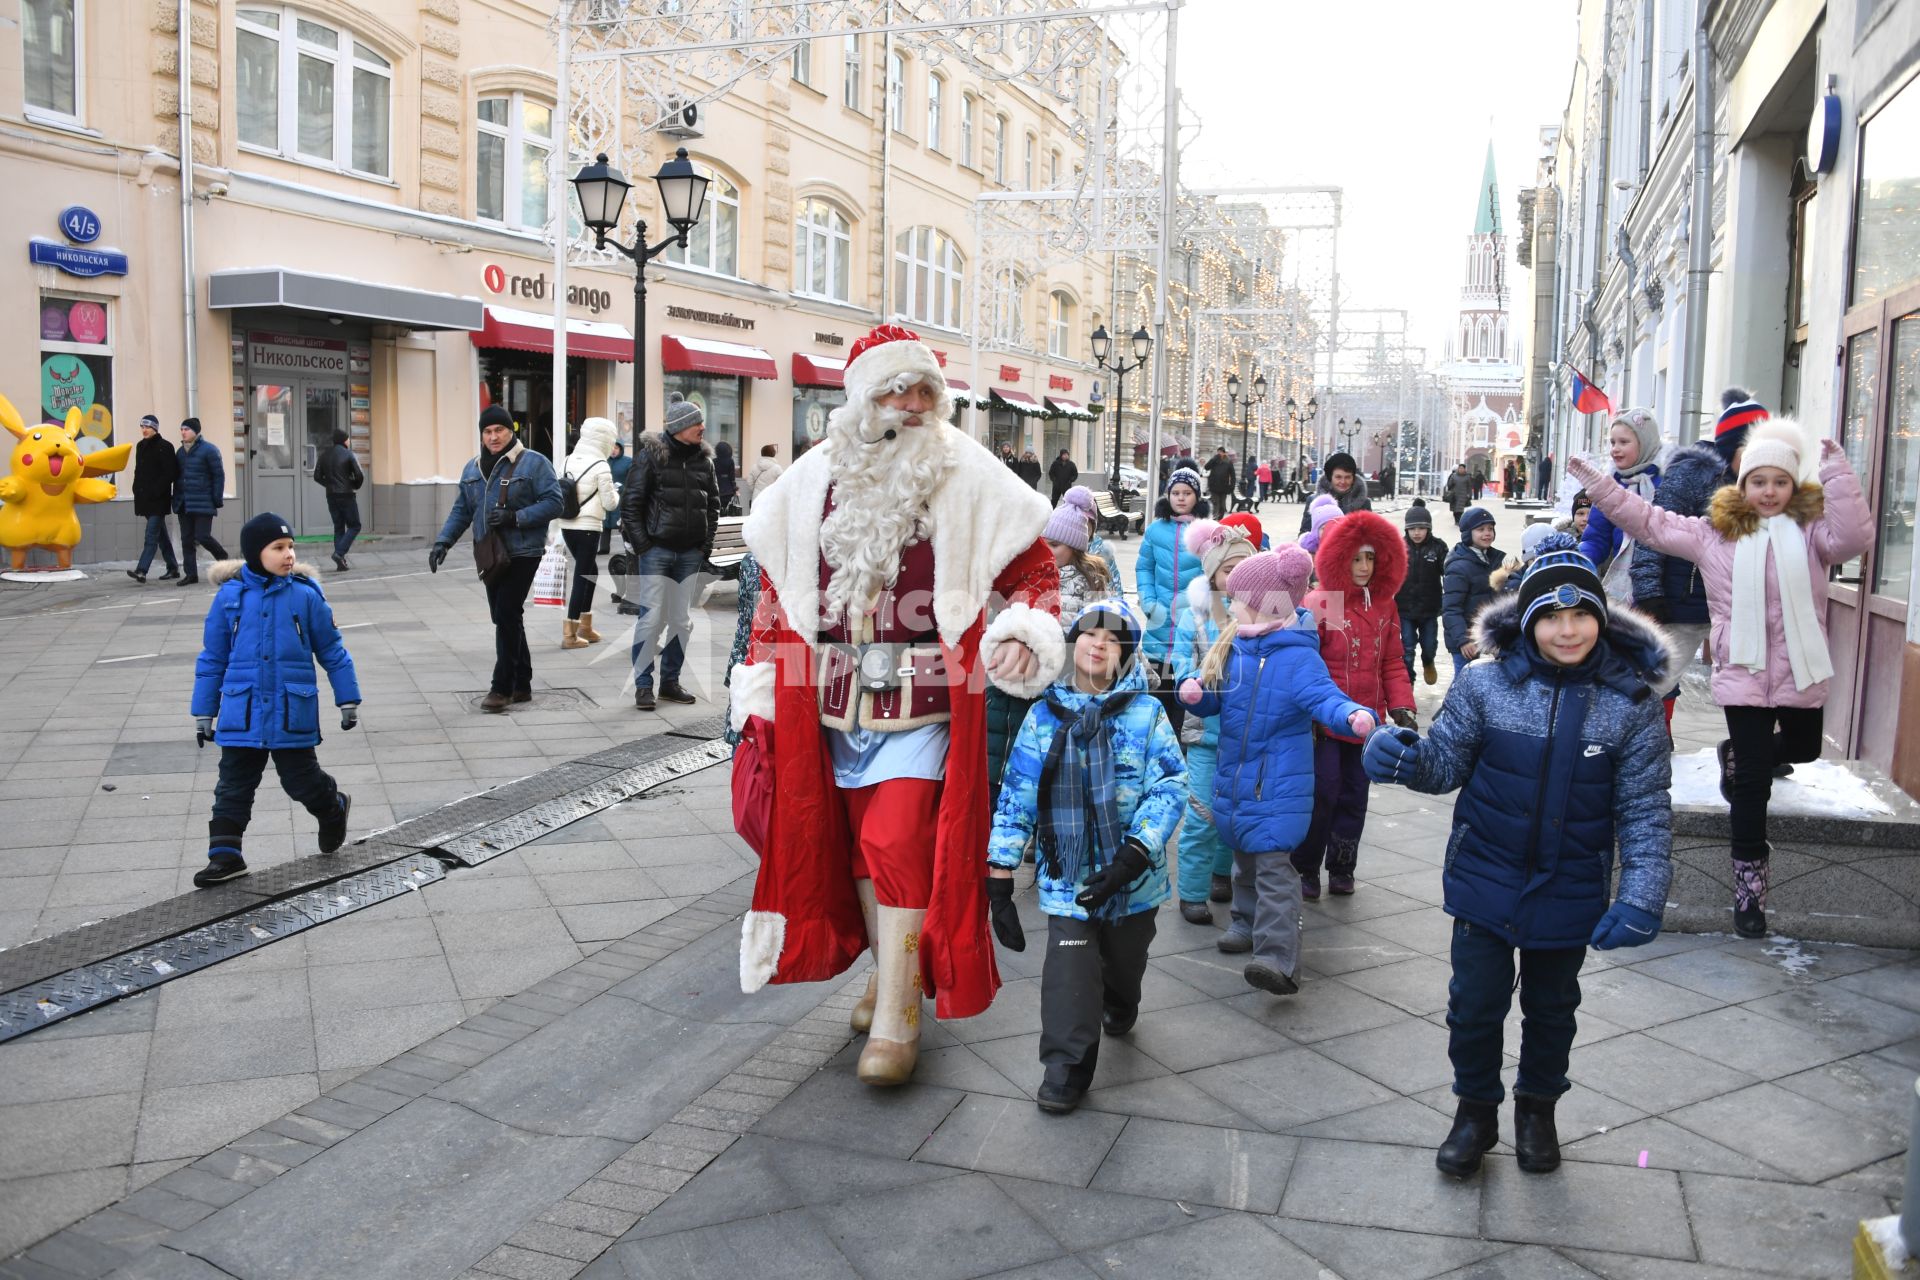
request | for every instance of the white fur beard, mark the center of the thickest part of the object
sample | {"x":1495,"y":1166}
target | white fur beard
{"x":880,"y":495}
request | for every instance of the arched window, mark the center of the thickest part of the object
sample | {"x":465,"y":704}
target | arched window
{"x":822,"y":252}
{"x":927,"y":277}
{"x":510,"y":160}
{"x":311,"y":91}
{"x":1059,"y":325}
{"x":714,"y":243}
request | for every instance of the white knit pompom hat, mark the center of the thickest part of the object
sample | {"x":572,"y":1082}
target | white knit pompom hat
{"x":1783,"y":443}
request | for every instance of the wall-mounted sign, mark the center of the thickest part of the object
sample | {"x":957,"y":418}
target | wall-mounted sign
{"x":80,"y":223}
{"x":726,"y":320}
{"x":1823,"y":134}
{"x":296,"y":353}
{"x":829,"y":339}
{"x":535,"y":289}
{"x":1009,"y":373}
{"x":42,"y":252}
{"x":1059,"y":382}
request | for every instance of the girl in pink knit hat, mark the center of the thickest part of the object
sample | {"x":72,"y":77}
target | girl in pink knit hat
{"x":1264,"y":677}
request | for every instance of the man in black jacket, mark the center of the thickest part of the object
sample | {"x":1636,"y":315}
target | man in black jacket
{"x":1220,"y":482}
{"x":1062,"y":475}
{"x":668,"y":516}
{"x":339,"y":473}
{"x":155,"y":468}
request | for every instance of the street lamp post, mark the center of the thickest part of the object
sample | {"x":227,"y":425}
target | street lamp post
{"x":1347,"y":433}
{"x":1246,"y":408}
{"x":1102,"y":344}
{"x":602,"y":190}
{"x":1300,"y":421}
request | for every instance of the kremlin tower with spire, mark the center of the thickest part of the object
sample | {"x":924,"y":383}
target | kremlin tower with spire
{"x":1484,"y":366}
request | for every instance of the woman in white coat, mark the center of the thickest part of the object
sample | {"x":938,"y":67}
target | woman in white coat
{"x":764,"y":472}
{"x":589,"y":474}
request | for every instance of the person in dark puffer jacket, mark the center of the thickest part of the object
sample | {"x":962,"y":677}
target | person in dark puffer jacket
{"x":1419,"y":597}
{"x":669,"y":514}
{"x":1466,"y":583}
{"x":1556,"y":745}
{"x":199,"y":491}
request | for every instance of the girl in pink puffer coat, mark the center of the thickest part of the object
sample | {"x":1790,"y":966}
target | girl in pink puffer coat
{"x":1763,"y":550}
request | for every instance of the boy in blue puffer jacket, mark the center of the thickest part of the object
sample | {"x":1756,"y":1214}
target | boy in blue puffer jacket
{"x":1559,"y":750}
{"x":1096,"y":776}
{"x":1265,"y":679}
{"x":254,"y":691}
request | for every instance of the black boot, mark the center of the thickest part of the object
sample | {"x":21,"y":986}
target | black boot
{"x":1476,"y":1128}
{"x":1535,"y":1140}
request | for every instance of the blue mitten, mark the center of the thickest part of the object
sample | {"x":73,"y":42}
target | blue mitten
{"x":1624,"y":925}
{"x":1390,"y":754}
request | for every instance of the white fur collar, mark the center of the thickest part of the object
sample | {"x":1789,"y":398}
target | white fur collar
{"x":983,"y":517}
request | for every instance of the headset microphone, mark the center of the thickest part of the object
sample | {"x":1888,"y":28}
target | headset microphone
{"x":888,"y":434}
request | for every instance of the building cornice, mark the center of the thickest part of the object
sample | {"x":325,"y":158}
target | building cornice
{"x":1731,"y":27}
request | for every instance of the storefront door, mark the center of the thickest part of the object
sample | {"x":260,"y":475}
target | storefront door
{"x":289,"y":425}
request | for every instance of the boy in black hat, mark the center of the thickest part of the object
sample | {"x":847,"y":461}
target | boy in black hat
{"x":1420,"y":595}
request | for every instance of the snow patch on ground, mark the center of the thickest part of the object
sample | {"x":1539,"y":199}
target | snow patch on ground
{"x":1821,"y":788}
{"x":1787,"y":953}
{"x":1885,"y":1234}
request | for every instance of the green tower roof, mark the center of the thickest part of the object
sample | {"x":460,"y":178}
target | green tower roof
{"x":1486,"y":213}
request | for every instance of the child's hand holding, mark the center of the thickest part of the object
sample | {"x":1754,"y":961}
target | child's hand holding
{"x":1390,"y":755}
{"x":1191,"y":691}
{"x":1361,"y":722}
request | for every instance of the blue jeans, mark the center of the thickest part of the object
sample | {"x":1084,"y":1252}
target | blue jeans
{"x":1203,"y":854}
{"x":157,"y":540}
{"x":1478,"y":998}
{"x":1423,"y":632}
{"x":666,"y":581}
{"x":345,"y":510}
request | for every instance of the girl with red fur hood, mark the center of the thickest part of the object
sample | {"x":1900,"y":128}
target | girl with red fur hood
{"x":1361,"y":564}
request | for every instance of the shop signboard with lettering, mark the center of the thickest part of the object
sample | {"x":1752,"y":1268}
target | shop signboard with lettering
{"x":296,"y":353}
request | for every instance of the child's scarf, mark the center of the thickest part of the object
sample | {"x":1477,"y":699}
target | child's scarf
{"x":1806,"y":642}
{"x":1081,"y":794}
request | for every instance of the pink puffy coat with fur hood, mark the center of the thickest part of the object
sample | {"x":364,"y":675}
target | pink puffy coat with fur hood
{"x":1360,"y":626}
{"x":1833,"y":516}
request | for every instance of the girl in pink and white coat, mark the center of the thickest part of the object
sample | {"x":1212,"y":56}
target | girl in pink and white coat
{"x":1763,"y":550}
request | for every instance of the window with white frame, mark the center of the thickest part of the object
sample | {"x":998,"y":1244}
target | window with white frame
{"x":850,"y":71}
{"x":50,"y":45}
{"x":803,"y":52}
{"x":969,"y":111}
{"x":312,"y":92}
{"x":1059,"y":325}
{"x":897,"y":92}
{"x":1010,"y":310}
{"x":927,"y":275}
{"x":936,"y":106}
{"x":1026,"y":164}
{"x":510,"y":160}
{"x":1053,"y":167}
{"x":1000,"y":150}
{"x":714,"y":242}
{"x":822,"y":252}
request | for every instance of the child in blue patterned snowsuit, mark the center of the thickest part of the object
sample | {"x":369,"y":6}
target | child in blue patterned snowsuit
{"x":1095,"y":776}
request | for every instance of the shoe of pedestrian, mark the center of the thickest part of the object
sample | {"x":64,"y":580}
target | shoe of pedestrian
{"x":340,"y":563}
{"x":587,"y":632}
{"x":1195,"y":912}
{"x":1222,"y":889}
{"x":1783,"y":771}
{"x":1725,"y":752}
{"x":1430,"y":672}
{"x":1057,"y":1098}
{"x":629,"y":608}
{"x":1476,"y":1128}
{"x":570,"y":634}
{"x":1339,"y":885}
{"x":495,"y":702}
{"x":1234,"y":942}
{"x":333,"y":832}
{"x":1310,"y":888}
{"x":643,"y":697}
{"x":1268,"y":978}
{"x":861,"y":1019}
{"x":1117,"y":1022}
{"x":1535,"y":1141}
{"x":220,"y":867}
{"x":171,"y":573}
{"x":187,"y":582}
{"x":136,"y":575}
{"x":1750,"y":897}
{"x":521,"y":695}
{"x":672,"y":692}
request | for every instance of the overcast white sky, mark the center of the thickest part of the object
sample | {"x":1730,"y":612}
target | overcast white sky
{"x":1393,"y":100}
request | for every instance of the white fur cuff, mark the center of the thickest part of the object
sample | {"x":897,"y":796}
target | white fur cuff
{"x":752,"y":686}
{"x":1040,"y":632}
{"x":762,"y":935}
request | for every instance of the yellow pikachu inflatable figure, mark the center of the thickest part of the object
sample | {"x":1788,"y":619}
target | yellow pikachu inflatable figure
{"x":50,"y":475}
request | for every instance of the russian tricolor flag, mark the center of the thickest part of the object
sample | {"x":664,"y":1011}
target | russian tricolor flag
{"x":1588,"y":398}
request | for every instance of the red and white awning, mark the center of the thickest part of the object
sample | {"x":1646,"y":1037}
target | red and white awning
{"x":1060,"y":404}
{"x":518,"y":330}
{"x":709,"y":355}
{"x":1018,"y":401}
{"x":818,"y":371}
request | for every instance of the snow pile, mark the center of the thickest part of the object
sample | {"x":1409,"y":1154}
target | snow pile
{"x":1885,"y":1234}
{"x":1821,"y":788}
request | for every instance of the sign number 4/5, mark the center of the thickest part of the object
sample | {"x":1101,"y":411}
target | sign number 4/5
{"x":81,"y":224}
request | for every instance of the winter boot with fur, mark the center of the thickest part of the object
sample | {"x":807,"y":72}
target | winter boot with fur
{"x":587,"y":632}
{"x":1535,"y":1141}
{"x":861,"y":1019}
{"x":1476,"y":1128}
{"x":570,"y":635}
{"x":893,"y":1042}
{"x":1750,"y":896}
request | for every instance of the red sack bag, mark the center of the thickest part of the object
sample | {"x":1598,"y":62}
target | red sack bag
{"x":753,"y":785}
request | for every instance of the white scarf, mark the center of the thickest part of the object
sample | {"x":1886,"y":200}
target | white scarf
{"x":1806,"y":641}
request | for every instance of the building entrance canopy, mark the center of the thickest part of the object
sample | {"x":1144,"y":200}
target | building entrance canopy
{"x":340,"y":296}
{"x":519,"y":330}
{"x":707,"y":355}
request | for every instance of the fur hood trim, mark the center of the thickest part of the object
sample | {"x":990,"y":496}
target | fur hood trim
{"x":227,"y":570}
{"x":1342,"y":539}
{"x":1643,"y":656}
{"x":1696,"y":464}
{"x":983,"y":517}
{"x":1734,"y":518}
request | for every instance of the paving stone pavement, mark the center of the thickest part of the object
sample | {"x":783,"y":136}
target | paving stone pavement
{"x":629,"y":1113}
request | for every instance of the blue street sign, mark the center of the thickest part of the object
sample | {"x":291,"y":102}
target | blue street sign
{"x":80,"y":223}
{"x":76,"y":262}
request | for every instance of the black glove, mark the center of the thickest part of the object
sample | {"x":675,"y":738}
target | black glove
{"x":436,"y":557}
{"x":1132,"y":862}
{"x":499,"y":517}
{"x":1404,"y":717}
{"x":1006,"y":918}
{"x":1657,"y":608}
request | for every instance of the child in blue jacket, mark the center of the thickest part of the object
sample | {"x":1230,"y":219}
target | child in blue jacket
{"x":1265,"y":679}
{"x":1559,"y":749}
{"x":1096,"y":776}
{"x":255,"y":694}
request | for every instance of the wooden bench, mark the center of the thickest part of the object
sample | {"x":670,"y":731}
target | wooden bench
{"x":1114,"y":518}
{"x":729,"y":548}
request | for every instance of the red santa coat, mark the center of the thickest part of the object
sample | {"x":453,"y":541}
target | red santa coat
{"x":1360,"y":626}
{"x":994,"y":579}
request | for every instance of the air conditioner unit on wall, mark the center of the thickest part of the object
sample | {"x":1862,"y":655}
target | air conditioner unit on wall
{"x":682,"y":120}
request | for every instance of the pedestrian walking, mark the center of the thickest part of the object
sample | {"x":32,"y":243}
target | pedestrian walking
{"x":1265,"y":679}
{"x":1206,"y":863}
{"x":1340,"y":480}
{"x":1560,"y":757}
{"x":1029,"y":470}
{"x":1360,"y":566}
{"x":1096,"y":780}
{"x":255,"y":695}
{"x":589,"y":475}
{"x":508,"y":494}
{"x":1465,"y":583}
{"x":763,"y":473}
{"x":339,"y":473}
{"x":1389,"y":480}
{"x":1457,"y":493}
{"x":1161,"y":575}
{"x":1633,"y":444}
{"x":1764,"y":549}
{"x":156,"y":470}
{"x":669,"y":516}
{"x":1419,"y":597}
{"x":726,"y":478}
{"x":1263,"y":476}
{"x":1479,"y":484}
{"x":199,"y":491}
{"x":1062,"y":474}
{"x":1220,"y":477}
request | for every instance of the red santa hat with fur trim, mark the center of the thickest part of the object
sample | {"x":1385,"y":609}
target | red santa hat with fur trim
{"x":893,"y":358}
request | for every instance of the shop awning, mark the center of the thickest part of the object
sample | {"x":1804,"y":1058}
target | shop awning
{"x":707,"y":355}
{"x":340,"y":296}
{"x":958,"y":384}
{"x":818,"y":371}
{"x":1018,"y":401}
{"x":519,"y":330}
{"x":1073,"y":408}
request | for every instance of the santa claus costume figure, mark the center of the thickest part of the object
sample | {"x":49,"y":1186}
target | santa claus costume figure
{"x":902,"y":568}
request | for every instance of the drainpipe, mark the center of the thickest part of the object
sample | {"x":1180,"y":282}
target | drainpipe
{"x":1601,"y":184}
{"x":190,"y":332}
{"x":1700,"y":232}
{"x":1646,"y":91}
{"x":1633,"y":284}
